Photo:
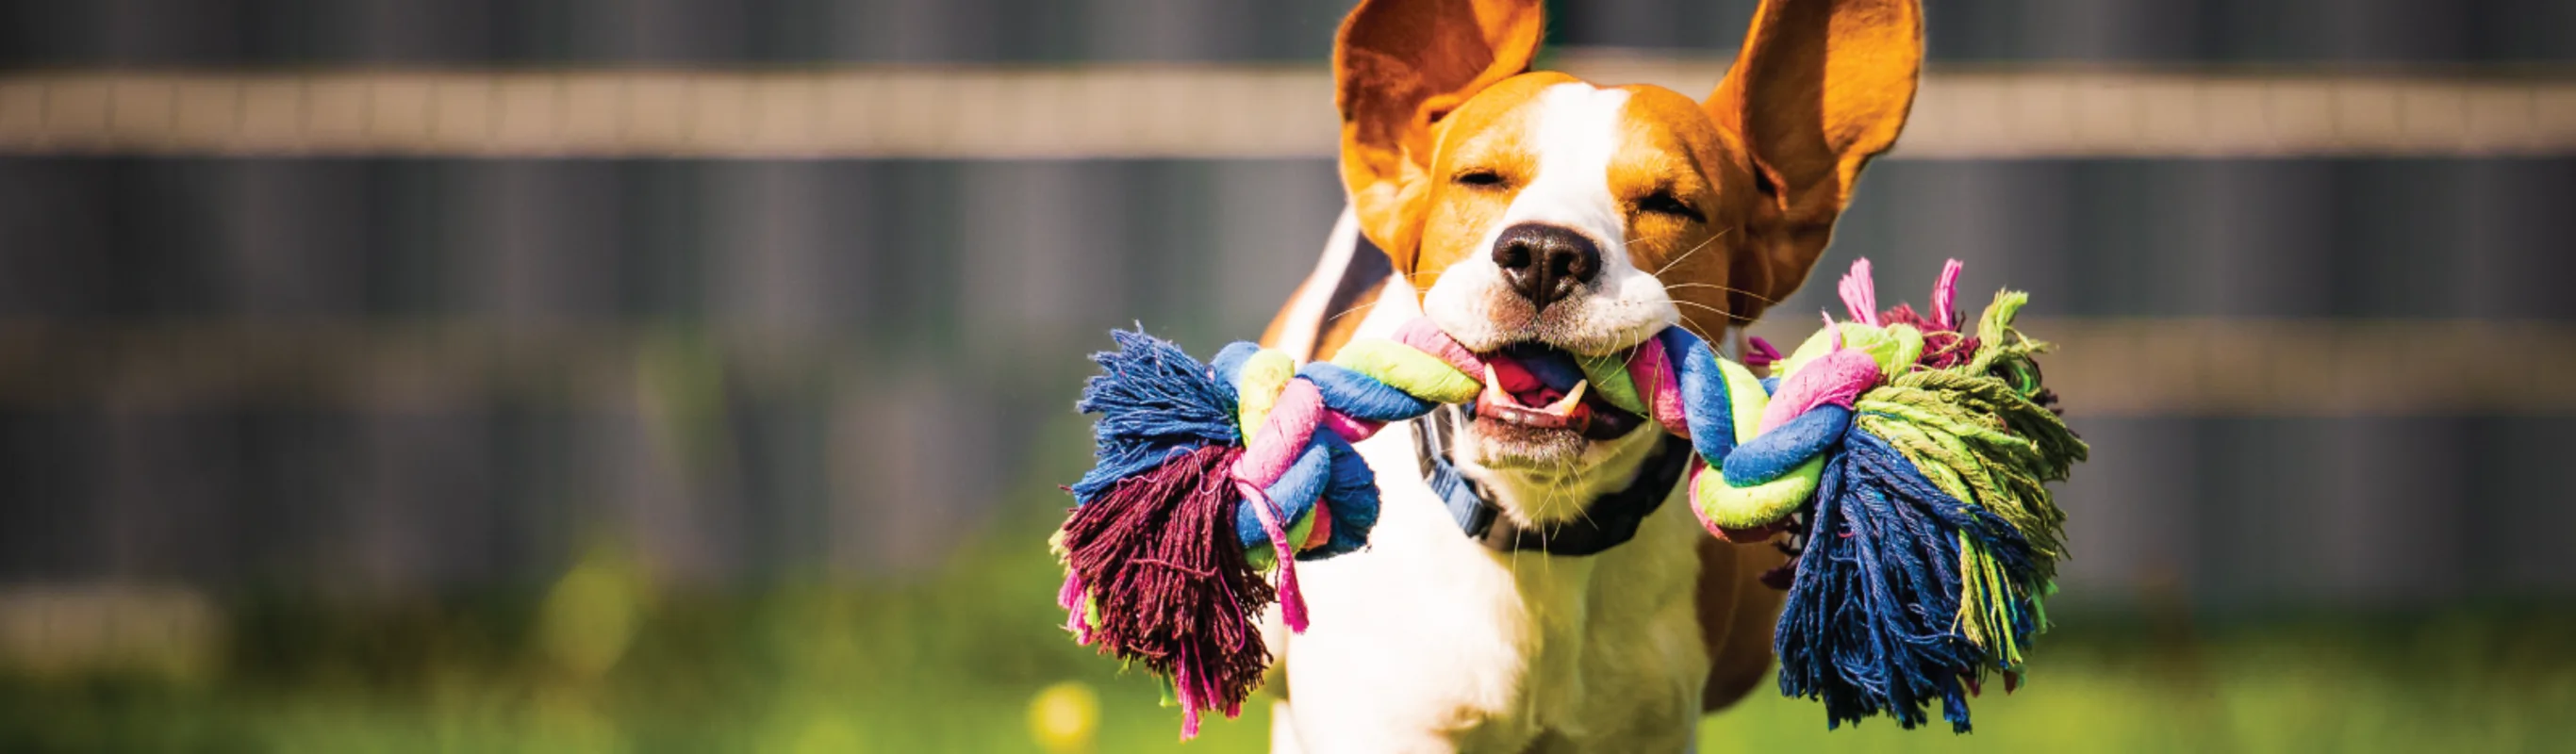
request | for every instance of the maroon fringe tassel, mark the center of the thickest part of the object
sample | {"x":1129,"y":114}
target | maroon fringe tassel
{"x":1943,"y":345}
{"x":1159,"y":556}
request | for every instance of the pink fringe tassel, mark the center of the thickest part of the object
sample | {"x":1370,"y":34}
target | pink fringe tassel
{"x":1860,"y":294}
{"x":1292,"y":601}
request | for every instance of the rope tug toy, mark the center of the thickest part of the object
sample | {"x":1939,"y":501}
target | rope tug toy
{"x":1908,"y":454}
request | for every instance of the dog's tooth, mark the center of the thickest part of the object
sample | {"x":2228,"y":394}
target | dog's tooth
{"x":1494,"y":395}
{"x":1565,"y":406}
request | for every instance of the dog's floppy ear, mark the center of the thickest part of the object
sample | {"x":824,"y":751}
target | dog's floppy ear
{"x":1399,"y":66}
{"x":1820,"y":87}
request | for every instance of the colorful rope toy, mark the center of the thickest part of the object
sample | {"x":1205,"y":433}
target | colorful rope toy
{"x":1907,"y":453}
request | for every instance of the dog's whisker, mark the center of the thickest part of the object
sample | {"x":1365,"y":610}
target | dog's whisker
{"x":1727,"y":288}
{"x":1706,"y":307}
{"x":1670,"y":287}
{"x":1668,"y":265}
{"x":1730,"y":316}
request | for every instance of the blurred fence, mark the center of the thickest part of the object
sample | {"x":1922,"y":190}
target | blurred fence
{"x":58,"y":33}
{"x":1203,"y":111}
{"x":388,"y":318}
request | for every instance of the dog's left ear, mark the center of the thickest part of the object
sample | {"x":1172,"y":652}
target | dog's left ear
{"x":1820,"y":87}
{"x":1399,"y":66}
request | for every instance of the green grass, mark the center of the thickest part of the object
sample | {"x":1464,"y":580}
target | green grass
{"x":2460,"y":682}
{"x":602,"y":660}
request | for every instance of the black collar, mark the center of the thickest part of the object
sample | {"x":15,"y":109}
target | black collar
{"x":1609,"y":521}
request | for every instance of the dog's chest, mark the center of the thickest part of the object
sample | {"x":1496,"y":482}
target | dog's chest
{"x":1430,"y":641}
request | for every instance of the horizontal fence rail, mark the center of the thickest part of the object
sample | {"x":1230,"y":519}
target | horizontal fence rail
{"x":1203,"y":111}
{"x":2103,"y":367}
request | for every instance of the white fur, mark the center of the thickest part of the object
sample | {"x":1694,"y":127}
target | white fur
{"x":1576,"y":129}
{"x":1429,"y":642}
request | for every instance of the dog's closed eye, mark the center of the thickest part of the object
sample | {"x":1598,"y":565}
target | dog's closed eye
{"x":1478,"y":178}
{"x":1665,"y":202}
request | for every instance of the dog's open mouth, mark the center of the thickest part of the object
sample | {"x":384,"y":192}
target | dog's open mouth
{"x":1537,"y":391}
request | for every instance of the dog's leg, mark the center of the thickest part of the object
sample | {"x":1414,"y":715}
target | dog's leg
{"x":1283,"y":729}
{"x":1283,"y":723}
{"x":1736,"y":614}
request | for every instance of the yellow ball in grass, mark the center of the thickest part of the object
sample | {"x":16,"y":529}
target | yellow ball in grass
{"x":1063,"y":717}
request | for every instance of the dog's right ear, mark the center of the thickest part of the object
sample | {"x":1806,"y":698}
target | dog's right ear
{"x":1820,"y":87}
{"x":1399,"y":66}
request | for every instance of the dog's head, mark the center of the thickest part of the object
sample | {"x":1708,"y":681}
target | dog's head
{"x":1536,"y":212}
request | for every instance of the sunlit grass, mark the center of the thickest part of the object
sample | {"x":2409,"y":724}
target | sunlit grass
{"x":602,"y":660}
{"x":2299,"y":686}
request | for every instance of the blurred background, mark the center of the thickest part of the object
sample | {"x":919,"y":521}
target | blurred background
{"x":695,"y":375}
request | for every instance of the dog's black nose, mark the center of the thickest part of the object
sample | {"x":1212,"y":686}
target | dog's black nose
{"x":1546,"y":263}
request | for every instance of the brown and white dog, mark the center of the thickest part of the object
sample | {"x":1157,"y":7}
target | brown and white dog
{"x":1535,"y":210}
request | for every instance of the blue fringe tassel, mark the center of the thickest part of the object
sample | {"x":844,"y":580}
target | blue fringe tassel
{"x":1153,"y":401}
{"x":1868,"y":626}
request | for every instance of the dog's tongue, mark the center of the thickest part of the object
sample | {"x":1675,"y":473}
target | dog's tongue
{"x":1543,"y":407}
{"x":1541,"y":387}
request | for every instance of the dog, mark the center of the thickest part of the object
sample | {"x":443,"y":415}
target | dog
{"x":1532,"y":210}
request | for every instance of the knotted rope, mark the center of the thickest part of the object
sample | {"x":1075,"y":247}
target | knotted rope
{"x":1916,"y":450}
